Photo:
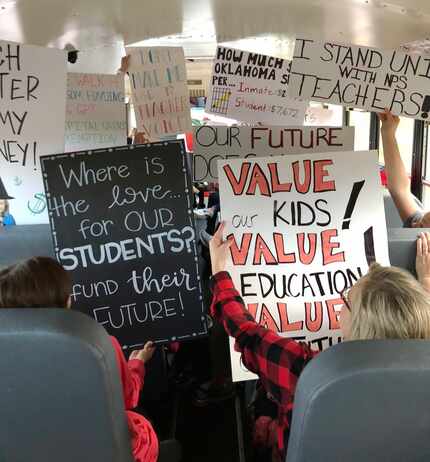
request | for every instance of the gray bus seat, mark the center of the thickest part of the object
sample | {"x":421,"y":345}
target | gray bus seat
{"x":24,"y":241}
{"x":364,"y":401}
{"x":60,"y":393}
{"x":403,"y":248}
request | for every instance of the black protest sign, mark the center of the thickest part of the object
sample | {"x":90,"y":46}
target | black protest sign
{"x":122,"y":224}
{"x":362,"y":77}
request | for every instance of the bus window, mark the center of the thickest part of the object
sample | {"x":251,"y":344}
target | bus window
{"x":131,"y":117}
{"x":426,"y":179}
{"x":324,"y":114}
{"x":361,"y":121}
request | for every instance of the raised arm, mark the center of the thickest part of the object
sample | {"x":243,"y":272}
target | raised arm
{"x":276,"y":360}
{"x":132,"y":373}
{"x":397,"y":177}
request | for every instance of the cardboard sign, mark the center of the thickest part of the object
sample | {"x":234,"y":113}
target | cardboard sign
{"x":303,"y":232}
{"x":253,"y":88}
{"x":95,"y":112}
{"x":212,"y":143}
{"x":161,"y":100}
{"x":32,"y":114}
{"x":362,"y":77}
{"x":122,"y":224}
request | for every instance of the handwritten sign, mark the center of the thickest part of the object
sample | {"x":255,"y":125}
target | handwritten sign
{"x":303,"y":232}
{"x":95,"y":112}
{"x":159,"y":89}
{"x":212,"y":143}
{"x":253,"y":88}
{"x":361,"y":77}
{"x":122,"y":224}
{"x":32,"y":113}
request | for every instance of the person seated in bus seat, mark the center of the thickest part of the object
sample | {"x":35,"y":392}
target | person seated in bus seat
{"x":6,"y":219}
{"x":387,"y":302}
{"x":41,"y":282}
{"x":398,"y":182}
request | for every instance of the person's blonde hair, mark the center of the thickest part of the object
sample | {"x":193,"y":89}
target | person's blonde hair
{"x":389,"y":303}
{"x":6,"y":208}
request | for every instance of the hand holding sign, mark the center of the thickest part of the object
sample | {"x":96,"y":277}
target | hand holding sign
{"x":389,"y":122}
{"x":219,"y":250}
{"x":136,"y":272}
{"x":145,"y":354}
{"x":125,"y":63}
{"x":302,"y":232}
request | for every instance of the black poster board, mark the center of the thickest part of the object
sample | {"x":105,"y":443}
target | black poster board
{"x":122,"y":223}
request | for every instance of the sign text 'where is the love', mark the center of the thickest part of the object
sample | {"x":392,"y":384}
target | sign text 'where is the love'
{"x":303,"y":232}
{"x":122,"y":224}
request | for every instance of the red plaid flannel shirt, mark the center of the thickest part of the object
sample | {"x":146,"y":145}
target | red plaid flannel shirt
{"x":277,"y":361}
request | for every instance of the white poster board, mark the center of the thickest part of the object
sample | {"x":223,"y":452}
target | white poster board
{"x":32,"y":119}
{"x":158,"y":80}
{"x":95,"y":112}
{"x":253,"y":88}
{"x":303,"y":231}
{"x":362,"y":77}
{"x":212,"y":143}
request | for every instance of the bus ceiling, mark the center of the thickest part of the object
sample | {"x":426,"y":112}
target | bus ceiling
{"x":102,"y":27}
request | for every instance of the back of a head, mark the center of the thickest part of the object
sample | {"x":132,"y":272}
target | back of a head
{"x":389,"y":303}
{"x":39,"y":282}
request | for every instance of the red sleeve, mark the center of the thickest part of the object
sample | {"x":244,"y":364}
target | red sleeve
{"x":132,"y":374}
{"x":277,"y":361}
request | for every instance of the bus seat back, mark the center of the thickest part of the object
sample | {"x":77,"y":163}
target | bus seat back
{"x":24,"y":241}
{"x":402,"y":246}
{"x":364,"y":401}
{"x":60,"y":392}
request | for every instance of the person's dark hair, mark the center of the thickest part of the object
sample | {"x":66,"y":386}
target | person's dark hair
{"x":39,"y":282}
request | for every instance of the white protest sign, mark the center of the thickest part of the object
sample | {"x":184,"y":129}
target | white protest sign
{"x":253,"y":88}
{"x":95,"y":112}
{"x":212,"y":143}
{"x":32,"y":115}
{"x":158,"y":79}
{"x":303,"y":232}
{"x":362,"y":77}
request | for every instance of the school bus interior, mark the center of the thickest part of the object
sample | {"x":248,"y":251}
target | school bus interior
{"x":99,"y":30}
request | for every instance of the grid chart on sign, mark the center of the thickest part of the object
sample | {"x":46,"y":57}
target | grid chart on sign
{"x":220,"y":100}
